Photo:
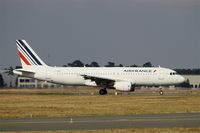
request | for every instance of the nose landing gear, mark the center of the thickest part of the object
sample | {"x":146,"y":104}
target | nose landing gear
{"x":161,"y":92}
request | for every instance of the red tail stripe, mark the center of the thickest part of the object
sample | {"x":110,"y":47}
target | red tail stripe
{"x":23,"y":58}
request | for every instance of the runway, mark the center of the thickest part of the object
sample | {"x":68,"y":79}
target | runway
{"x":188,"y":120}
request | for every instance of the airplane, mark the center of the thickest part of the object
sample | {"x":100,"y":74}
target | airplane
{"x":123,"y":79}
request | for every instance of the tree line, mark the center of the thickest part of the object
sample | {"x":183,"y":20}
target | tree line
{"x":188,"y":71}
{"x":78,"y":63}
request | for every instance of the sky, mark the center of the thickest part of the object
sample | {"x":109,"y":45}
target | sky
{"x":165,"y":32}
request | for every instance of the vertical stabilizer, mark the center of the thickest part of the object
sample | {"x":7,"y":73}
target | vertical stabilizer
{"x":27,"y":55}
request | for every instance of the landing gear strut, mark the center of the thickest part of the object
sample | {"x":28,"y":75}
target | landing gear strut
{"x":103,"y":91}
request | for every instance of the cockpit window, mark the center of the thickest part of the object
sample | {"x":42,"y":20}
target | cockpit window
{"x":173,"y":73}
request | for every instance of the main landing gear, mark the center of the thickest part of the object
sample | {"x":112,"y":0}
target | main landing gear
{"x":103,"y":91}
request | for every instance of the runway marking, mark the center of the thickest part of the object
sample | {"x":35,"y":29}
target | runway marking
{"x":100,"y":121}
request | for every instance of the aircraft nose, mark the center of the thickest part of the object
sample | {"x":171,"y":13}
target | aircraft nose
{"x":182,"y":79}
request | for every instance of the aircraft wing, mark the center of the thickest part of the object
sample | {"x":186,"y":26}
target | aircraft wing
{"x":100,"y":81}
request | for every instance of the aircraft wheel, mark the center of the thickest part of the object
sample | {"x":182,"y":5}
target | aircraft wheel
{"x":102,"y":91}
{"x":161,"y":92}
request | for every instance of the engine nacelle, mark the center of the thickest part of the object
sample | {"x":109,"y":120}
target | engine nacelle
{"x":123,"y":86}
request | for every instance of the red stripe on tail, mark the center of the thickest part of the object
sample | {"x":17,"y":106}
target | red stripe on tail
{"x":23,"y":58}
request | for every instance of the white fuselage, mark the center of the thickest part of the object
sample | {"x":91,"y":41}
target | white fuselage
{"x":74,"y":75}
{"x":120,"y":78}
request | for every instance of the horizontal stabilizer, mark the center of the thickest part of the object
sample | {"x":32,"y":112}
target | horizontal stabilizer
{"x":24,"y":71}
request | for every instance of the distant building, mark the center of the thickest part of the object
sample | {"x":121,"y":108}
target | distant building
{"x":194,"y":80}
{"x":24,"y":82}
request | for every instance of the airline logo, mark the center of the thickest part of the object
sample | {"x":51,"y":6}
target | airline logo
{"x":140,"y":70}
{"x":26,"y":54}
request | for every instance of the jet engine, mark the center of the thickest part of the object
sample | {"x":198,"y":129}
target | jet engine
{"x":123,"y":86}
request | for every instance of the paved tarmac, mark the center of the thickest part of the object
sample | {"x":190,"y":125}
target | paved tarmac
{"x":188,"y":120}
